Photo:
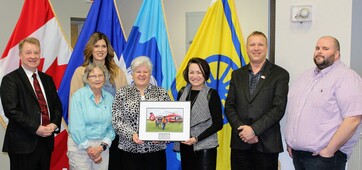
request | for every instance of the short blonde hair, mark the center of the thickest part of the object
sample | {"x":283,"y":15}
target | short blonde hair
{"x":90,"y":68}
{"x":140,"y":61}
{"x":30,"y":40}
{"x":257,"y":33}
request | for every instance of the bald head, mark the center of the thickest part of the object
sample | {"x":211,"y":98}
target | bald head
{"x":333,"y":40}
{"x":326,"y":52}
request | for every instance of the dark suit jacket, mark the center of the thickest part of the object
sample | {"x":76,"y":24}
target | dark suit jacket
{"x":21,"y":107}
{"x":262,"y":111}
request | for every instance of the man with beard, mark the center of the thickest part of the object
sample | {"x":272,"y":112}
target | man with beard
{"x":324,"y":111}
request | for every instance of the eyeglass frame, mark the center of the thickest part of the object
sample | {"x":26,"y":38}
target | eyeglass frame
{"x":96,"y":76}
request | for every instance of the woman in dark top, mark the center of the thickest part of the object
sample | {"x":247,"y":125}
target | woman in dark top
{"x":199,"y":152}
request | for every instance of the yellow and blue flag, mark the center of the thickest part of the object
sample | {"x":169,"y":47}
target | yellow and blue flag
{"x":149,"y":37}
{"x":219,"y":41}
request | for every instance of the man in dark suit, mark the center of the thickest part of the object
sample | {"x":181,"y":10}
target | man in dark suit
{"x":254,"y":106}
{"x":29,"y":137}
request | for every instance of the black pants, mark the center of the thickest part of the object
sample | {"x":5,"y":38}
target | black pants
{"x":197,"y":160}
{"x":37,"y":160}
{"x":115,"y":155}
{"x":253,"y":160}
{"x":144,"y":161}
{"x":303,"y":160}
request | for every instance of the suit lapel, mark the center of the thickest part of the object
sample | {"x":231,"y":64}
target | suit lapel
{"x":27,"y":83}
{"x":245,"y":81}
{"x":262,"y":79}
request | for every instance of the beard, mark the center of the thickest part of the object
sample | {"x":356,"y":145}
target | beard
{"x":325,"y":62}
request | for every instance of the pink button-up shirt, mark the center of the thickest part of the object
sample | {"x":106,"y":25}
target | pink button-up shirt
{"x":318,"y":102}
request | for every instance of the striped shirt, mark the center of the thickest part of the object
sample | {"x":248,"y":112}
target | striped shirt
{"x":318,"y":102}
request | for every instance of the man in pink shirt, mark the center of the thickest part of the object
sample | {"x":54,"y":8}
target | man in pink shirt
{"x":324,"y":111}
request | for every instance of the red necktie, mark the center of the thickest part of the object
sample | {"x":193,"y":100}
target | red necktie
{"x":41,"y":100}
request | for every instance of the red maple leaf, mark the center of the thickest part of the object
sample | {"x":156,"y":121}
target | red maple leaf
{"x":55,"y":70}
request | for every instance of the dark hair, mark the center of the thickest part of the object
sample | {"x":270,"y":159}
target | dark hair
{"x":204,"y":67}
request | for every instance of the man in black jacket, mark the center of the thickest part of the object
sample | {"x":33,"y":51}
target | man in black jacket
{"x":254,"y":106}
{"x":29,"y":137}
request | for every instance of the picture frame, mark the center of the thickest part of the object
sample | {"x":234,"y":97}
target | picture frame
{"x":164,"y":121}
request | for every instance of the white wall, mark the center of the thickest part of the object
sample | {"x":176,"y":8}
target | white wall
{"x":65,"y":9}
{"x":9,"y":15}
{"x":295,"y":42}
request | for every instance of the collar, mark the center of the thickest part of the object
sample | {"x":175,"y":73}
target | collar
{"x":146,"y":89}
{"x":326,"y":70}
{"x":260,"y":71}
{"x":29,"y":73}
{"x":90,"y":94}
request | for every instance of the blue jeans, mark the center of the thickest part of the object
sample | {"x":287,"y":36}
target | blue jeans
{"x":303,"y":160}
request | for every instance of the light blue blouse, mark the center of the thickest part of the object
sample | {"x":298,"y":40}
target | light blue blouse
{"x":88,"y":120}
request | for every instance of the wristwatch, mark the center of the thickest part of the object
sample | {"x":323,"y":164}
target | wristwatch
{"x":104,"y":146}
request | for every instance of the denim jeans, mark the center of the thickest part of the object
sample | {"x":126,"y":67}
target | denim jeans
{"x":303,"y":160}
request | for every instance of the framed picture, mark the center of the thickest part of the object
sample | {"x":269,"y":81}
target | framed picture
{"x":164,"y":121}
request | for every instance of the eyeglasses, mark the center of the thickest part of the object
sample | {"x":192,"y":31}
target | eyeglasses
{"x":96,"y":76}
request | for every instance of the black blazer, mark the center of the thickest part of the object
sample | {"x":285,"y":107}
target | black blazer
{"x":21,"y":107}
{"x":262,"y":111}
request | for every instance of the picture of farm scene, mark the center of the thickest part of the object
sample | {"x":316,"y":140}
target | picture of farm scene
{"x":164,"y":120}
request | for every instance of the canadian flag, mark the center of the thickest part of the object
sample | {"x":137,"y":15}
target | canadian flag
{"x":38,"y":20}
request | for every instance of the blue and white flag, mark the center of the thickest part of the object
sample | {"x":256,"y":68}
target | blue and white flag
{"x":149,"y":37}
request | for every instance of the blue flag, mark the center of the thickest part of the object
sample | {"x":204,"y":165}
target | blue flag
{"x":149,"y":37}
{"x":102,"y":17}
